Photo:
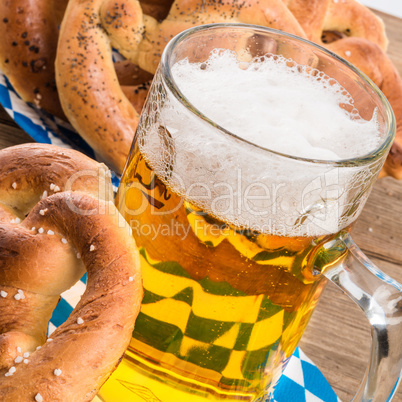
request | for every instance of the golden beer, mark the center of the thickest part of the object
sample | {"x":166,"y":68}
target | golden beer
{"x":249,"y":165}
{"x":222,"y":306}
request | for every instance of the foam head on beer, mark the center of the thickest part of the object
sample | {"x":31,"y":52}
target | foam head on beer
{"x":277,"y":105}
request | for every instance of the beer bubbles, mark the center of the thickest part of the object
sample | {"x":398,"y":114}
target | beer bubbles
{"x":278,"y":105}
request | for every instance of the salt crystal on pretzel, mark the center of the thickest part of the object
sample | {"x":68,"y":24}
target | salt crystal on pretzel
{"x":39,"y":268}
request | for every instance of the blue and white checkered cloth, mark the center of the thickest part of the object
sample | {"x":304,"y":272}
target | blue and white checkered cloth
{"x":301,"y":381}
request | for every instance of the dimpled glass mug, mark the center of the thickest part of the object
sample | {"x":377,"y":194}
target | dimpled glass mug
{"x":237,"y":240}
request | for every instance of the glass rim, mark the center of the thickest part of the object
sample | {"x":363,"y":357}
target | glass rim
{"x":167,"y":77}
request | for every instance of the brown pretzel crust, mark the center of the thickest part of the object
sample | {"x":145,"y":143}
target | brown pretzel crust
{"x":130,"y":74}
{"x":39,"y":260}
{"x":105,"y":114}
{"x":158,"y":9}
{"x":90,"y":94}
{"x":28,"y":170}
{"x":348,"y":18}
{"x":88,"y":86}
{"x":371,"y":60}
{"x":185,"y":14}
{"x":29,"y":32}
{"x":356,"y":34}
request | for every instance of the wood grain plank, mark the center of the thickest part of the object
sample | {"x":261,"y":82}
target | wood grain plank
{"x":10,"y":133}
{"x":337,"y":338}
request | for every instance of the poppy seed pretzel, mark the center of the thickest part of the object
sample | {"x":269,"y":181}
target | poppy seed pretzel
{"x":353,"y":32}
{"x":98,"y":107}
{"x":29,"y":33}
{"x":71,"y":225}
{"x":324,"y":21}
{"x":372,"y":61}
{"x":89,"y":90}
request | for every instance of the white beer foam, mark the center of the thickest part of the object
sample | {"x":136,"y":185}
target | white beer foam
{"x":276,"y":104}
{"x":279,"y":107}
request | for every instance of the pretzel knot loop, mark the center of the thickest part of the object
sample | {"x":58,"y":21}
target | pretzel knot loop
{"x":85,"y":75}
{"x":96,"y":105}
{"x":51,"y":230}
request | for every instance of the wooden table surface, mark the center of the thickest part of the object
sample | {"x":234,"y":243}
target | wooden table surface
{"x":338,"y":336}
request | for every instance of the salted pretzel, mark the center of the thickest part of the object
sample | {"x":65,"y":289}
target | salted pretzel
{"x":56,"y":221}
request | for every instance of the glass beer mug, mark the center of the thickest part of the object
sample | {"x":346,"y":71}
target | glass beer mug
{"x":237,"y":237}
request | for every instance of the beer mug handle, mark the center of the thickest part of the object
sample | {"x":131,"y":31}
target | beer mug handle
{"x":380,"y":297}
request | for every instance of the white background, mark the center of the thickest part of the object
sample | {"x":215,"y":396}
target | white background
{"x":393,"y":7}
